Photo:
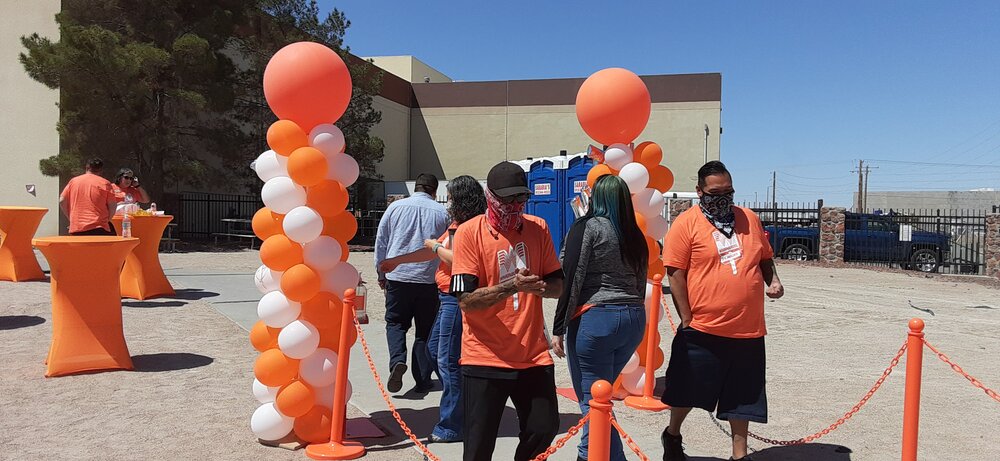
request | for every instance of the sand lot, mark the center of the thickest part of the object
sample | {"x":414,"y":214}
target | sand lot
{"x":829,"y":340}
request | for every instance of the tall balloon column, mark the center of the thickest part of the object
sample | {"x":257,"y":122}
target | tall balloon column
{"x":613,"y":107}
{"x":305,"y":229}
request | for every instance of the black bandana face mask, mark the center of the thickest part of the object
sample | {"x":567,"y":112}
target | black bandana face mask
{"x":719,"y":211}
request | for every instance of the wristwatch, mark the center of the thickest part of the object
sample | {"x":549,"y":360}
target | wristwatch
{"x":436,"y":247}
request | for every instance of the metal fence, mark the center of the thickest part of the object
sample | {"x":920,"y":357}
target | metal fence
{"x":944,"y":241}
{"x":200,"y":215}
{"x":793,"y":228}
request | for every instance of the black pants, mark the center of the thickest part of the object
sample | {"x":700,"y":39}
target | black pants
{"x":406,"y":304}
{"x":533,"y":392}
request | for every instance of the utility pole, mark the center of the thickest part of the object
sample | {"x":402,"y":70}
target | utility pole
{"x":864,"y":202}
{"x":859,"y":203}
{"x":774,"y":201}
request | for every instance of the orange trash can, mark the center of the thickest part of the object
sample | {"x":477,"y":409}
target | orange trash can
{"x":86,"y":305}
{"x":17,"y":226}
{"x":142,"y":277}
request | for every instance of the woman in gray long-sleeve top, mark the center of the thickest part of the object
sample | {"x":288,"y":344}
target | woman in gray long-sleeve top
{"x":601,"y":310}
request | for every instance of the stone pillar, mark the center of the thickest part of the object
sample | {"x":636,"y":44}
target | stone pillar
{"x":678,"y":206}
{"x":831,"y":234}
{"x":993,"y":245}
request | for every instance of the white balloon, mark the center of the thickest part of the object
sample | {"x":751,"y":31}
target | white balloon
{"x":281,"y":194}
{"x":343,"y":169}
{"x":276,"y":311}
{"x":631,"y":365}
{"x":342,"y":277}
{"x":302,"y":224}
{"x":267,"y":280}
{"x":270,"y":165}
{"x":633,"y":382}
{"x":264,"y":394}
{"x":618,"y":155}
{"x":327,"y":138}
{"x":322,"y":254}
{"x":635,"y":176}
{"x":267,"y":423}
{"x":298,"y":339}
{"x":648,"y":202}
{"x":656,"y":227}
{"x":324,"y":395}
{"x":320,"y":368}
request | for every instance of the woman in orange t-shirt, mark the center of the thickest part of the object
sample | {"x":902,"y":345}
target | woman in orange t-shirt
{"x":127,"y":190}
{"x":445,"y":343}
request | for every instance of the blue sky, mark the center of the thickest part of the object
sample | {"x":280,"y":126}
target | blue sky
{"x":808,"y":87}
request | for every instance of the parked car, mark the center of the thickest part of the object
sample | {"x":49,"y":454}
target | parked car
{"x":868,"y":238}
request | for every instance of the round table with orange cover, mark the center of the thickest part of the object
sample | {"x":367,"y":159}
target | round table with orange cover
{"x":17,"y":226}
{"x":142,"y":277}
{"x":86,"y":303}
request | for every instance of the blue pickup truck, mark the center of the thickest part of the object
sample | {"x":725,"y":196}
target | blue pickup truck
{"x":868,"y":238}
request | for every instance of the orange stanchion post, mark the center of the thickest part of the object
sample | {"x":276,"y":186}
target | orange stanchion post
{"x":647,"y":401}
{"x":599,"y":448}
{"x":337,"y":448}
{"x":911,"y":397}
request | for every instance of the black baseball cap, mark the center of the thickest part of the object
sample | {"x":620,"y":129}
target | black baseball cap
{"x":507,"y":179}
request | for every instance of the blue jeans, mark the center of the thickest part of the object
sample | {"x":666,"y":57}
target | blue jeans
{"x":598,"y":345}
{"x":445,"y":346}
{"x":411,"y":304}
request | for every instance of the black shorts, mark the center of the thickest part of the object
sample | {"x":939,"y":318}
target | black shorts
{"x":719,"y":374}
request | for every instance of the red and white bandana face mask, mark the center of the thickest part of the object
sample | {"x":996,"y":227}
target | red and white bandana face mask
{"x":503,"y":217}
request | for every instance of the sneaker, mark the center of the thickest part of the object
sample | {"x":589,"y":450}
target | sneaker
{"x":396,"y":377}
{"x":437,"y":439}
{"x":673,"y":449}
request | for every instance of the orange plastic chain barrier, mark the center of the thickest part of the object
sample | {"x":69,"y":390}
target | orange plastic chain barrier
{"x":562,"y":442}
{"x":628,"y":440}
{"x":954,"y":366}
{"x":670,"y":318}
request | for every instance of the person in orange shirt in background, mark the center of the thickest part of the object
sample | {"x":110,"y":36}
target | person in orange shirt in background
{"x":89,"y":202}
{"x":504,"y":264}
{"x":127,"y":190}
{"x":720,"y":267}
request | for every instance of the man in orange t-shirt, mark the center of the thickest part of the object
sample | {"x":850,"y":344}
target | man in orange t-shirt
{"x":720,"y":266}
{"x":504,"y":264}
{"x":89,"y":202}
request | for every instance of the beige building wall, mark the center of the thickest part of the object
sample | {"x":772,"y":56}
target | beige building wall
{"x":410,"y":69}
{"x":29,"y":116}
{"x":470,"y":140}
{"x":395,"y":133}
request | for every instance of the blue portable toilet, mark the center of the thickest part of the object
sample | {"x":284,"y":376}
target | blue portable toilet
{"x":573,"y":181}
{"x":545,"y":199}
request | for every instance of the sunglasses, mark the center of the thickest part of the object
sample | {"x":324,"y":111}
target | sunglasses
{"x":519,"y":198}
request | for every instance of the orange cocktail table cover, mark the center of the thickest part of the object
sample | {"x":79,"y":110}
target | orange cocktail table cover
{"x":142,"y":277}
{"x":86,"y":303}
{"x":17,"y":226}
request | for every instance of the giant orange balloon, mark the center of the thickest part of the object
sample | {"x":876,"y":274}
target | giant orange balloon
{"x":314,"y":426}
{"x":274,"y":369}
{"x":279,"y":253}
{"x":650,"y":154}
{"x":266,"y":223}
{"x":596,"y":172}
{"x":613,"y":106}
{"x":307,"y":166}
{"x":284,"y":136}
{"x":300,"y":283}
{"x":307,"y":83}
{"x":341,"y":226}
{"x":661,"y":178}
{"x":295,"y":399}
{"x":328,"y":198}
{"x":263,"y":337}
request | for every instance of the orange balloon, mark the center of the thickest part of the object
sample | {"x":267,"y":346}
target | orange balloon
{"x":278,"y":252}
{"x":307,"y":166}
{"x":314,"y":426}
{"x":295,"y":399}
{"x":328,"y":198}
{"x":650,"y":154}
{"x":596,"y":172}
{"x":266,"y":223}
{"x":613,"y":105}
{"x":284,"y":136}
{"x":274,"y":369}
{"x":661,"y":178}
{"x":307,"y":83}
{"x":263,"y":337}
{"x":300,"y":283}
{"x":639,"y":219}
{"x":656,"y":268}
{"x":345,"y":249}
{"x":654,"y":250}
{"x":342,"y":226}
{"x":330,"y":337}
{"x":323,"y":311}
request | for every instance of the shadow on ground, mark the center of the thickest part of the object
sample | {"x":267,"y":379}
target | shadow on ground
{"x":13,"y":322}
{"x":152,"y":304}
{"x":193,"y":294}
{"x":171,"y":361}
{"x":806,"y":452}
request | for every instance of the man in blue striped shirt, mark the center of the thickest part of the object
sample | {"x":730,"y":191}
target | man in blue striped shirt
{"x":411,"y":294}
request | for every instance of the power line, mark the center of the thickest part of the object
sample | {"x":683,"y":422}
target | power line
{"x":936,"y":163}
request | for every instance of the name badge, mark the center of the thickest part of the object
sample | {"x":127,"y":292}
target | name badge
{"x":729,"y":248}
